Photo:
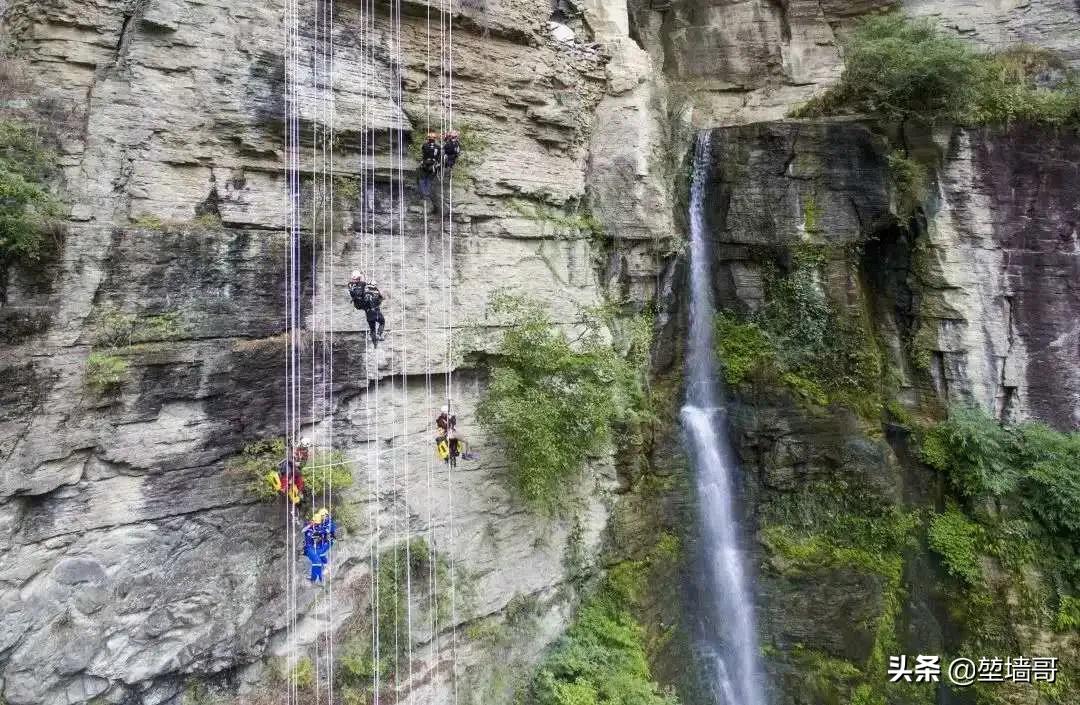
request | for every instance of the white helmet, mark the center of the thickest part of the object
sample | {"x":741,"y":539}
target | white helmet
{"x":356,"y":274}
{"x":446,"y":409}
{"x":305,"y":442}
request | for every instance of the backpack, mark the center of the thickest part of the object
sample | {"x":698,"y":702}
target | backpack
{"x":372,"y":299}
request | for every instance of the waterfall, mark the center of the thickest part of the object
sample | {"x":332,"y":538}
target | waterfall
{"x":728,"y":638}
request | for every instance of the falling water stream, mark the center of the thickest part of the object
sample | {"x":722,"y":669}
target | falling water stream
{"x":728,"y":635}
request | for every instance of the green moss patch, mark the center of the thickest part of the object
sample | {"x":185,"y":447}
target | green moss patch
{"x":105,"y":373}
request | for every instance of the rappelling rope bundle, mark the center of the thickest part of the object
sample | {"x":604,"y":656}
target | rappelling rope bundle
{"x":291,"y":149}
{"x":404,"y":536}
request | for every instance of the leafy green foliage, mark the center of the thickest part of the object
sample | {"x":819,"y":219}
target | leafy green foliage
{"x":1068,"y":616}
{"x":601,"y":659}
{"x":327,"y":470}
{"x":975,"y":453}
{"x":1007,"y":89}
{"x":1021,"y":511}
{"x":303,"y":672}
{"x":827,"y":680}
{"x":899,"y":68}
{"x":872,"y":543}
{"x":104,"y":373}
{"x":802,"y":341}
{"x":982,"y":458}
{"x":958,"y":541}
{"x":551,"y":401}
{"x":256,"y":462}
{"x":1051,"y":462}
{"x":27,"y":209}
{"x":742,"y":347}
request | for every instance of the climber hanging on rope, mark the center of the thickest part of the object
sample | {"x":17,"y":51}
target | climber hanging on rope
{"x":430,"y":161}
{"x":367,"y":298}
{"x":449,"y":445}
{"x":451,"y":149}
{"x":319,"y":535}
{"x":289,"y":480}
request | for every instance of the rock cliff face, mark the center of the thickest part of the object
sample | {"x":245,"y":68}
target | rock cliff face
{"x":134,"y":563}
{"x":750,"y":60}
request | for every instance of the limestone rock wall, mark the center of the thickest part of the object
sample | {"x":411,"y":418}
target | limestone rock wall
{"x":123,"y":531}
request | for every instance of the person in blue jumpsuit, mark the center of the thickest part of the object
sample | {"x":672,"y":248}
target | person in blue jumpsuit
{"x":319,"y":535}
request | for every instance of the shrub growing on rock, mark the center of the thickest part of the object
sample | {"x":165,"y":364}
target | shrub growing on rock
{"x":975,"y":452}
{"x":802,"y":341}
{"x":896,"y":68}
{"x":27,"y":209}
{"x":551,"y":401}
{"x":958,"y":541}
{"x":601,"y":659}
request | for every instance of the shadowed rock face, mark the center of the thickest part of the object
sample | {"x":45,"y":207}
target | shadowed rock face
{"x":999,"y":289}
{"x":1032,"y":179}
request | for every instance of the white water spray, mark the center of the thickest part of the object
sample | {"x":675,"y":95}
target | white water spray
{"x":729,"y":635}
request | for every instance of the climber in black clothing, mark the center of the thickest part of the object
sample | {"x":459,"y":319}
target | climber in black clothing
{"x":367,"y":298}
{"x":430,"y":161}
{"x":451,"y":148}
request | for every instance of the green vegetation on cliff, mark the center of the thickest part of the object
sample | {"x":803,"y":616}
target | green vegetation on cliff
{"x":1011,"y":540}
{"x":407,"y":569}
{"x":801,"y":340}
{"x":104,"y":373}
{"x":601,"y":660}
{"x":898,"y":68}
{"x":27,"y":209}
{"x":326,"y":469}
{"x":552,"y":401}
{"x":836,"y":528}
